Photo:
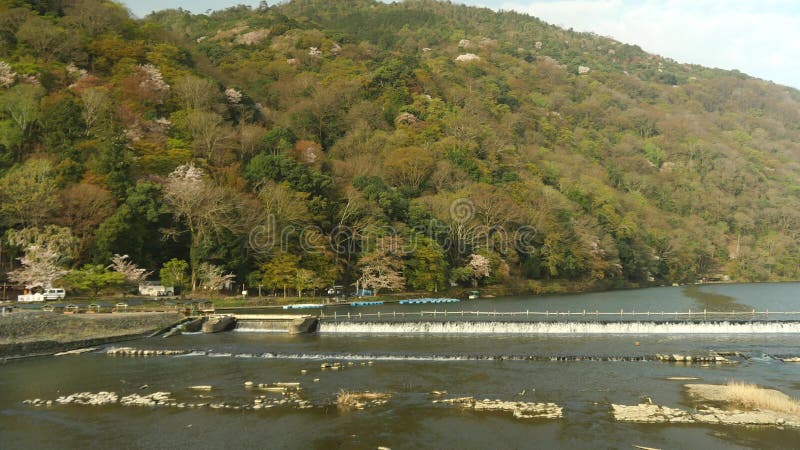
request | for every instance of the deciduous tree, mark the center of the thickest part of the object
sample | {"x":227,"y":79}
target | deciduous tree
{"x":382,"y":268}
{"x":40,"y":268}
{"x":213,"y":278}
{"x":94,"y":278}
{"x":175,"y":273}
{"x":133,"y":274}
{"x":202,"y":206}
{"x":280,"y":272}
{"x":28,"y":194}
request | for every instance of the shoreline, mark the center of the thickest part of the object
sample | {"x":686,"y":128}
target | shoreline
{"x":43,"y":334}
{"x":487,"y":292}
{"x":50,"y":348}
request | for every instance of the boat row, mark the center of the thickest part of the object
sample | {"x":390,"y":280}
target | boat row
{"x":425,"y":301}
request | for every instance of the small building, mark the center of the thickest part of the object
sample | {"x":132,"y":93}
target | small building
{"x":155,"y":289}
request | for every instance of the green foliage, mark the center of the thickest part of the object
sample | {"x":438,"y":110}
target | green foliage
{"x":94,"y":278}
{"x":115,"y":163}
{"x":390,"y":200}
{"x":609,"y":181}
{"x":277,"y":141}
{"x":175,"y":273}
{"x":62,"y":125}
{"x":281,"y":168}
{"x":19,"y":109}
{"x":427,"y":266}
{"x":280,"y":272}
{"x":133,"y":229}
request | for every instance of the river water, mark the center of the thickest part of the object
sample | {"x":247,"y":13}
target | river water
{"x":582,"y":364}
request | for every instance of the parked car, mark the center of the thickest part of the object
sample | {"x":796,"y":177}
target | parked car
{"x":46,"y":294}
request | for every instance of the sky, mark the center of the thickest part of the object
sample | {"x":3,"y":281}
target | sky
{"x":757,"y":37}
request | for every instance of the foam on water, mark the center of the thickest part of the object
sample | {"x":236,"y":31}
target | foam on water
{"x":460,"y":327}
{"x":696,"y":357}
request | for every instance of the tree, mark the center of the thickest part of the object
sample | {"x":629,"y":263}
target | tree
{"x":306,"y":279}
{"x":7,"y":76}
{"x":40,"y":268}
{"x":20,"y":106}
{"x":409,"y":168}
{"x":96,"y":103}
{"x":195,"y":93}
{"x":209,"y":132}
{"x":47,"y":251}
{"x":133,"y":229}
{"x":58,"y":239}
{"x":213,"y":278}
{"x":94,"y":278}
{"x":175,"y":273}
{"x":83,"y":208}
{"x":427,"y":266}
{"x":277,"y":141}
{"x":282,"y":168}
{"x":61,"y":123}
{"x":249,"y":138}
{"x":115,"y":163}
{"x":96,"y":17}
{"x":286,"y":206}
{"x":28,"y":194}
{"x":41,"y":36}
{"x":280,"y":272}
{"x":132,"y":274}
{"x":382,"y":267}
{"x":476,"y":269}
{"x":204,"y":207}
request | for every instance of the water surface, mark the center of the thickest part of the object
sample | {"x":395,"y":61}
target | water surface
{"x":582,"y":372}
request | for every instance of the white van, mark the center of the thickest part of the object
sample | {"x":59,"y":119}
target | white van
{"x":54,"y":294}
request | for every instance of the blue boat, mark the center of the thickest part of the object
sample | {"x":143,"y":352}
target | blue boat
{"x":425,"y":301}
{"x":373,"y":303}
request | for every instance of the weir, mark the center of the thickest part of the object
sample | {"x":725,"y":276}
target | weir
{"x":291,"y":323}
{"x":628,"y":327}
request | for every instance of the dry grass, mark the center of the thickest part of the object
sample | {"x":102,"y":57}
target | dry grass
{"x":753,"y":397}
{"x":348,"y":400}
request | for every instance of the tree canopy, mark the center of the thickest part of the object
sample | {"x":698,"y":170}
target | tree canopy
{"x":281,"y":144}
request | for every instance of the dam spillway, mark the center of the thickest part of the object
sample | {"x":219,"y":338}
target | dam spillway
{"x":278,"y":323}
{"x":564,"y":328}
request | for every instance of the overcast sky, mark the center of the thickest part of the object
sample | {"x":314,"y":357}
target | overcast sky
{"x":757,"y":37}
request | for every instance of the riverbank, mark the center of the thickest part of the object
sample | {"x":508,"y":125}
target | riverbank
{"x":32,"y":333}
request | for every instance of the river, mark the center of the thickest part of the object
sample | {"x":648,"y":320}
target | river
{"x":582,"y":364}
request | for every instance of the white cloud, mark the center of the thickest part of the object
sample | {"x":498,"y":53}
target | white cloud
{"x":758,"y":38}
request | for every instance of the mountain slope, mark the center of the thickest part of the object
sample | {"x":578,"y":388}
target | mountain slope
{"x":565,"y":160}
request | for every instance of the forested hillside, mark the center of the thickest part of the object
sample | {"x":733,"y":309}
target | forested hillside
{"x":416,"y":145}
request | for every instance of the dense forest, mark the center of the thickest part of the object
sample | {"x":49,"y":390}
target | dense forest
{"x":418,"y":145}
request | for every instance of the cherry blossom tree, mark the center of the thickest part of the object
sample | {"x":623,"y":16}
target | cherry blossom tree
{"x":477,"y":268}
{"x":212,"y":277}
{"x":201,"y":205}
{"x":382,"y":268}
{"x":7,"y":76}
{"x":479,"y":265}
{"x":134,"y":275}
{"x":40,"y":268}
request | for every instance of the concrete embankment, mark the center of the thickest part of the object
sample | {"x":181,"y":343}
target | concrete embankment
{"x":42,"y":333}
